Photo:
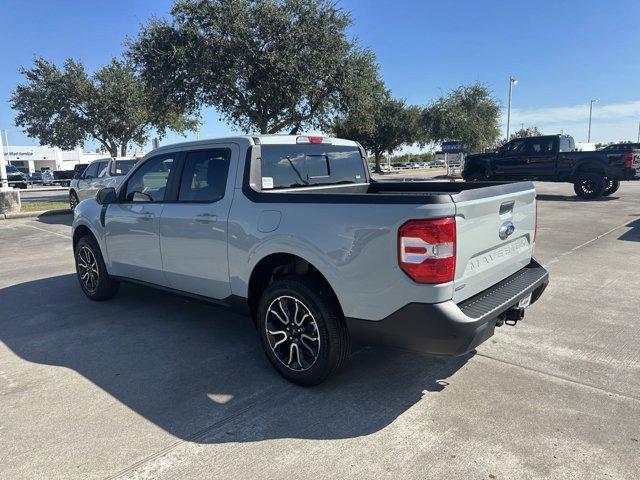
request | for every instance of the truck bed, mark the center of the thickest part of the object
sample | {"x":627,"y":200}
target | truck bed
{"x":414,"y":192}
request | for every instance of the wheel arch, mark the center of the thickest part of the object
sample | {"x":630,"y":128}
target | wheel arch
{"x":588,"y":166}
{"x":279,"y":265}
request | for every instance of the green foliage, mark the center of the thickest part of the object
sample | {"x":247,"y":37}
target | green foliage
{"x":266,"y":65}
{"x":522,"y":133}
{"x":64,"y":108}
{"x":469,"y":114}
{"x":381,"y":125}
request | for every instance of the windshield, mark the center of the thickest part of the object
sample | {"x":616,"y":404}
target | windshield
{"x":122,"y":167}
{"x":11,"y":169}
{"x":291,"y":166}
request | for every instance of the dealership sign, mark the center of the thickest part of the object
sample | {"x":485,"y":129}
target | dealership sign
{"x":30,"y":153}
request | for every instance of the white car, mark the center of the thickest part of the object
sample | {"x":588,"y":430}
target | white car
{"x":107,"y":172}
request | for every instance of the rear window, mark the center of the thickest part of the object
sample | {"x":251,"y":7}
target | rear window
{"x":122,"y":167}
{"x":291,"y":166}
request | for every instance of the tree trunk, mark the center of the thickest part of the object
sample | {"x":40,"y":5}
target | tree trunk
{"x":378,"y":156}
{"x":123,"y":149}
{"x":113,"y":149}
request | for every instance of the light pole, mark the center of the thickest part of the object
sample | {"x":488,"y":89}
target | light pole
{"x":638,"y":132}
{"x":590,"y":112}
{"x":512,"y":82}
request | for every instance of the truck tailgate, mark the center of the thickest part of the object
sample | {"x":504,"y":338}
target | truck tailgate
{"x":495,"y":233}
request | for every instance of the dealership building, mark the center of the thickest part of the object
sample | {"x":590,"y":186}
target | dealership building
{"x":51,"y":158}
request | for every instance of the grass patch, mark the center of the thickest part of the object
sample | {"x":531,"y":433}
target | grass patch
{"x":38,"y":206}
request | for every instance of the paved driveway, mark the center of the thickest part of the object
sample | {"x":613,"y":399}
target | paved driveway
{"x":153,"y":385}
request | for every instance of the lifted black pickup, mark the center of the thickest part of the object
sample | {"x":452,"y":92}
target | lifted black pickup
{"x":552,"y":158}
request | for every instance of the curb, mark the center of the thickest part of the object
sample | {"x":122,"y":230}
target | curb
{"x":41,"y":213}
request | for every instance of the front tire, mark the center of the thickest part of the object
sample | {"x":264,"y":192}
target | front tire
{"x":589,"y":186}
{"x":92,"y":272}
{"x":73,"y":201}
{"x":302,"y":330}
{"x":611,"y":187}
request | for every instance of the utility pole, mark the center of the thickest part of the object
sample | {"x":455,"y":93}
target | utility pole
{"x":590,"y":112}
{"x":4,"y":184}
{"x":512,"y":82}
{"x":638,"y":132}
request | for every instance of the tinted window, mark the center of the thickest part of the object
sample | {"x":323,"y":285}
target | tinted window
{"x":102,"y":168}
{"x":540,"y":146}
{"x":122,"y":167}
{"x":150,"y":180}
{"x":11,"y":169}
{"x":514,"y":146}
{"x":204,"y":177}
{"x":91,"y":171}
{"x":287,"y":166}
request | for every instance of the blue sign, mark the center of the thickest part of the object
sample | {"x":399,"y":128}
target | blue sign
{"x":453,"y":146}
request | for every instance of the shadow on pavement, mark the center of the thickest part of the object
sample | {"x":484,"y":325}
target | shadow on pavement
{"x":570,"y":198}
{"x":632,"y":235}
{"x":194,"y":370}
{"x":64,"y":219}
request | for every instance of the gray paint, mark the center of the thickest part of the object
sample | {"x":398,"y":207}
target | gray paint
{"x":353,"y":245}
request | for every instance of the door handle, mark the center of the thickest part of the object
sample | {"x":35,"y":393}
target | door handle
{"x":146,"y":215}
{"x":206,"y":218}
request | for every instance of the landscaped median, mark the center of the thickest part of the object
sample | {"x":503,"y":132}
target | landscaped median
{"x":35,"y":209}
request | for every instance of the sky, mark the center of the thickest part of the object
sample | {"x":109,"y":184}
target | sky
{"x":563,"y":53}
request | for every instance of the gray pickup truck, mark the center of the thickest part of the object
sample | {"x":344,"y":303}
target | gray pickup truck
{"x":294,"y":232}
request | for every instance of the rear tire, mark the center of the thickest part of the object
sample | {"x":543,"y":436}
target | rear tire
{"x":589,"y":186}
{"x":312,"y":341}
{"x":611,"y":187}
{"x":92,"y":272}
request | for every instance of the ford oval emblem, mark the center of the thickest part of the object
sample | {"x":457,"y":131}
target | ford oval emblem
{"x":506,"y":229}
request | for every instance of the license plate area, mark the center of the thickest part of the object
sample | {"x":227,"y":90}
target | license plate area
{"x":525,"y":302}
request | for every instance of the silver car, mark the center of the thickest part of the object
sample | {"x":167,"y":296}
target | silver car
{"x":99,"y":174}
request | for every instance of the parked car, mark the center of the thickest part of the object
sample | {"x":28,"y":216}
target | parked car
{"x":16,"y":178}
{"x":552,"y":158}
{"x":64,"y":177}
{"x":35,"y":178}
{"x":292,"y":230}
{"x":98,"y":174}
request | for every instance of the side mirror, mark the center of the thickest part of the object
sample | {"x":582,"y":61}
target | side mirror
{"x":106,"y":195}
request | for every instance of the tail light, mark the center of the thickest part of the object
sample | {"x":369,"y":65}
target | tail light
{"x":427,"y":250}
{"x":628,"y":159}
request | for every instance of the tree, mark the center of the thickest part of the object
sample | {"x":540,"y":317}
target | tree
{"x":468,"y":114}
{"x":526,"y":132}
{"x":65,"y":108}
{"x":384,"y":125}
{"x":266,"y":65}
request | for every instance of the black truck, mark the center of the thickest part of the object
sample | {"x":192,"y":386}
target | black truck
{"x":553,"y":158}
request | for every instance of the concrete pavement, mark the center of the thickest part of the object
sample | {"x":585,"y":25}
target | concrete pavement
{"x":150,"y":385}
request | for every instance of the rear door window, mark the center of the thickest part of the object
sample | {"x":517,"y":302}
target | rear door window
{"x":204,"y":177}
{"x":292,"y":166}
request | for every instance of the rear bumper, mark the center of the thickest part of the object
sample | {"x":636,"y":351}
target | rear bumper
{"x":448,"y":328}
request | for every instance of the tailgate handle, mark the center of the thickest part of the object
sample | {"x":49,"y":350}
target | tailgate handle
{"x":507,"y":207}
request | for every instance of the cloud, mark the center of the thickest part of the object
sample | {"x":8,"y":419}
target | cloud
{"x":576,"y":113}
{"x":610,"y":122}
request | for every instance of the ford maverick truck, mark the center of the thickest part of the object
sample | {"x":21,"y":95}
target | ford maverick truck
{"x":294,"y":232}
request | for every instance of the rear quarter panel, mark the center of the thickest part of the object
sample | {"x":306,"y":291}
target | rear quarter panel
{"x":353,"y":245}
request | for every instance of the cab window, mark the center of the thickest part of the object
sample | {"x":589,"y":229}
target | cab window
{"x":102,"y":168}
{"x":91,"y":171}
{"x":204,"y":177}
{"x":149,"y":182}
